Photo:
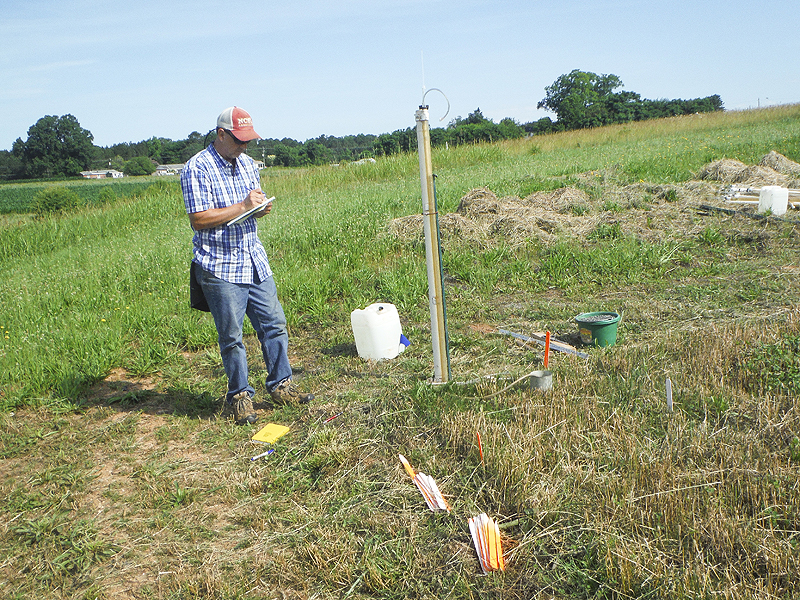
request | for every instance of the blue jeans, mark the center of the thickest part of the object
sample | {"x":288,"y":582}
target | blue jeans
{"x":229,"y":302}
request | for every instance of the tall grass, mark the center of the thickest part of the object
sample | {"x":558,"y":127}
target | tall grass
{"x":89,"y":292}
{"x":600,"y":490}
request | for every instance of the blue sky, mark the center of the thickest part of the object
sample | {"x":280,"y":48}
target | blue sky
{"x":129,"y":71}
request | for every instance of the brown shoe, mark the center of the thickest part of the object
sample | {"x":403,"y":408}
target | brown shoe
{"x":241,"y":409}
{"x":286,"y":393}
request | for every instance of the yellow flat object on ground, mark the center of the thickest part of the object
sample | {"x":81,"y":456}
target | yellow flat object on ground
{"x":270,"y":433}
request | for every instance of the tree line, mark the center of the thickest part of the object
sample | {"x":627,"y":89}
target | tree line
{"x":59,"y":147}
{"x":583,"y":99}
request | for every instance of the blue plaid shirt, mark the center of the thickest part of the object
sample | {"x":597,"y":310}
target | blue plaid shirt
{"x":230,"y":253}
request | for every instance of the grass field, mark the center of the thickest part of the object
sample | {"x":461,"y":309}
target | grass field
{"x":121,"y":482}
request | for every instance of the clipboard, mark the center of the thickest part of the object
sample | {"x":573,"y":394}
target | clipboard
{"x":251,"y":212}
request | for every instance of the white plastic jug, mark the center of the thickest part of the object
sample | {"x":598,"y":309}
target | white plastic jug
{"x":377,"y":331}
{"x":773,"y":198}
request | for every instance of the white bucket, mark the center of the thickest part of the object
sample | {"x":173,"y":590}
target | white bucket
{"x":377,"y":331}
{"x":773,"y":198}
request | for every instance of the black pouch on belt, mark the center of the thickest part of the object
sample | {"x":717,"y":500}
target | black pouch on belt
{"x":197,"y":299}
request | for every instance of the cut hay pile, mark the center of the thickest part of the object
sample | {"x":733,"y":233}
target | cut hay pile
{"x":781,"y":164}
{"x":484,"y":219}
{"x":647,"y":211}
{"x":773,"y":169}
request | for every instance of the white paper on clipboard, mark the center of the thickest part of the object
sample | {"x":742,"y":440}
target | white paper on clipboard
{"x":252,"y":211}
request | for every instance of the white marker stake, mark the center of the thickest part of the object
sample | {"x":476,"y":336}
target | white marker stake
{"x":669,"y":395}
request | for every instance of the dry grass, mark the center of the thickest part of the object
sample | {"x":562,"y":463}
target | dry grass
{"x":660,"y":503}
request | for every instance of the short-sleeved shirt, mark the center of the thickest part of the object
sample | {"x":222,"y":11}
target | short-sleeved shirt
{"x":231,"y":253}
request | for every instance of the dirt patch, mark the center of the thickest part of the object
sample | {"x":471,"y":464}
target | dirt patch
{"x":120,"y":383}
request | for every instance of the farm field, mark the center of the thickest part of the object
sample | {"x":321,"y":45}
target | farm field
{"x":122,"y":482}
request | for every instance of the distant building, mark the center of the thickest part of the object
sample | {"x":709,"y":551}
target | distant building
{"x":169,"y":169}
{"x":102,"y":174}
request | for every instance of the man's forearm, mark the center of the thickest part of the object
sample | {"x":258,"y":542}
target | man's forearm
{"x":214,"y":217}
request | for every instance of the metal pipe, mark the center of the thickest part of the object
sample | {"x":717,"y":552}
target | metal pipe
{"x":432,"y":257}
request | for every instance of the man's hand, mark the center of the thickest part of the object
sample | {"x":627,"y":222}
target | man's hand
{"x":257,"y":198}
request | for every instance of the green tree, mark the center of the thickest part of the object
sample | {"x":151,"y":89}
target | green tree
{"x":477,"y":128}
{"x":139,"y":165}
{"x":194,"y":144}
{"x":510,"y":129}
{"x":439,"y":136}
{"x":154,"y":147}
{"x":117,"y":163}
{"x":385,"y":145}
{"x":582,"y":99}
{"x":11,"y":166}
{"x":542,"y":126}
{"x":314,"y":153}
{"x":286,"y":156}
{"x":474,"y":118}
{"x":56,"y":147}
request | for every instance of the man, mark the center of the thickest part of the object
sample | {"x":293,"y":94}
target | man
{"x":219,"y":184}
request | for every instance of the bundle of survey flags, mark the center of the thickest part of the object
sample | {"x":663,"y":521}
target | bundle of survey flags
{"x":427,"y":487}
{"x":486,"y":537}
{"x":484,"y":530}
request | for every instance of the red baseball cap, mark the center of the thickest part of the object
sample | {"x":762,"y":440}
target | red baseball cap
{"x":239,"y":122}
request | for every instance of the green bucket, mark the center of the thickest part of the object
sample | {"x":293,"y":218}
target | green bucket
{"x":598,"y":328}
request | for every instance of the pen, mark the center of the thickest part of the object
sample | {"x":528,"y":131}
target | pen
{"x":270,"y":451}
{"x":329,"y":419}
